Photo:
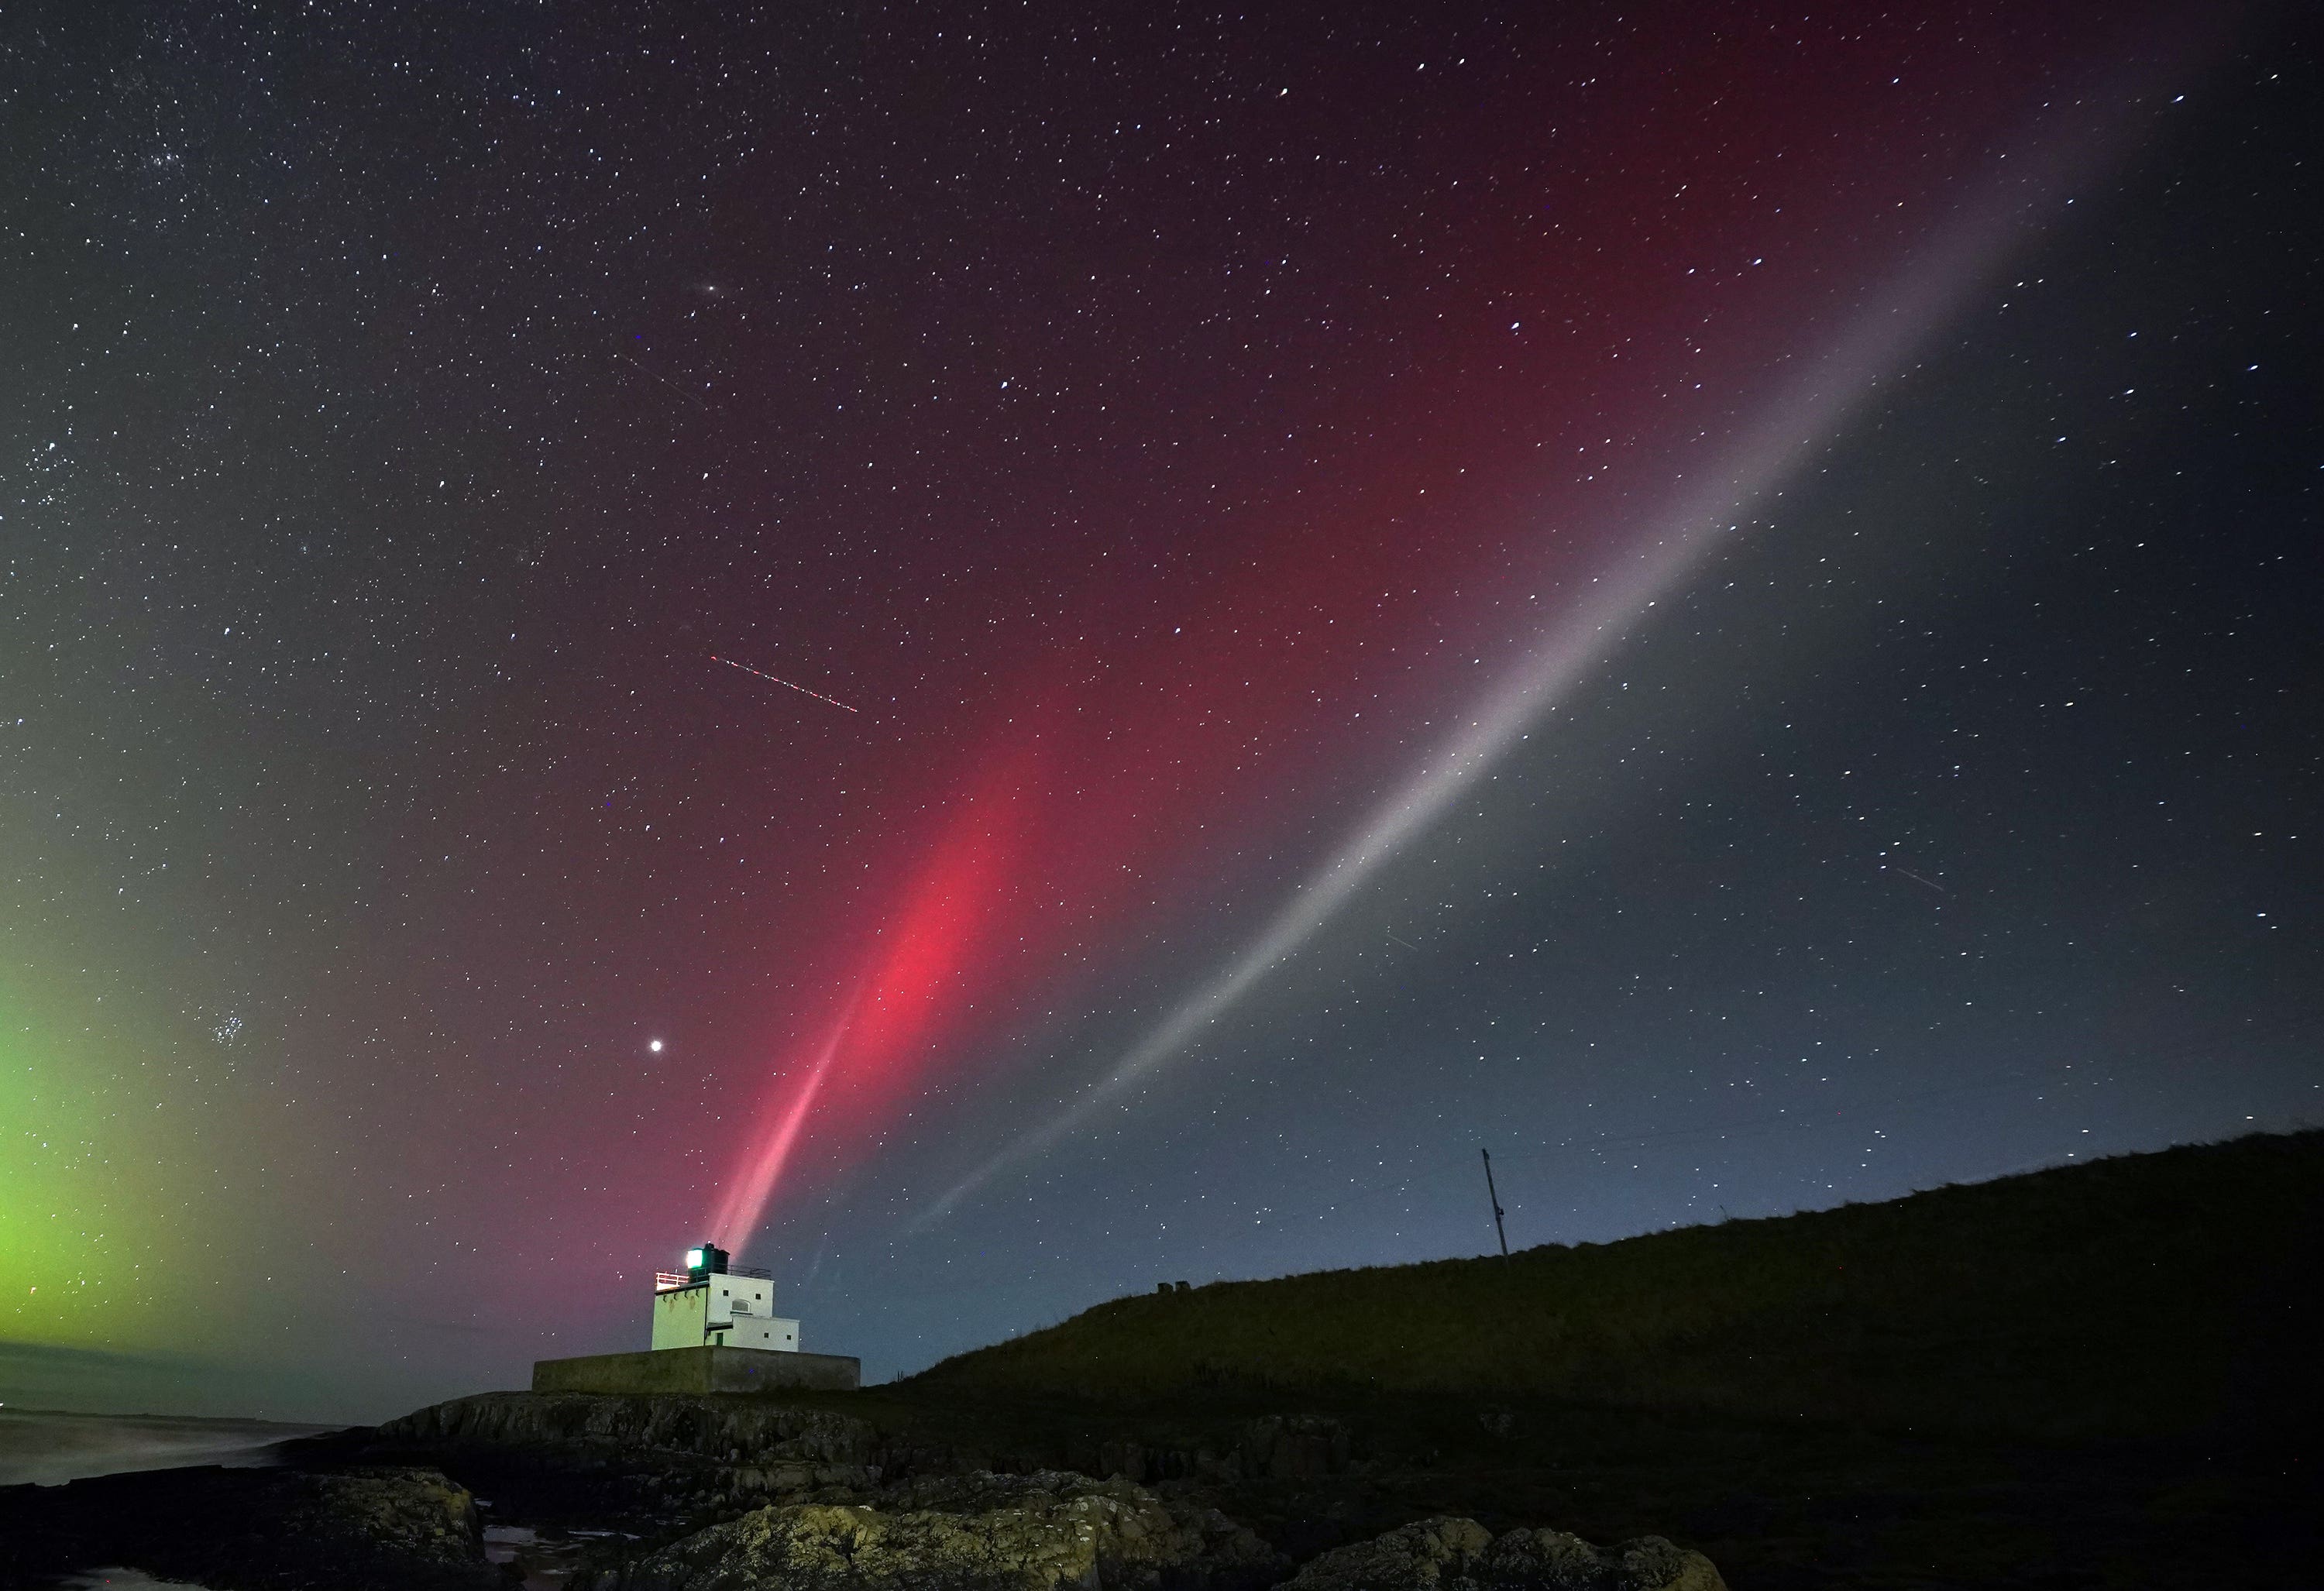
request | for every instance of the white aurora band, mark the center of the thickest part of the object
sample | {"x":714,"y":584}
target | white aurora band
{"x":1802,"y":419}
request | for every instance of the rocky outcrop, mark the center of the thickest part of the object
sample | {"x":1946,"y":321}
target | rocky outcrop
{"x":1451,"y":1554}
{"x":821,"y":1448}
{"x":752,"y":1493}
{"x":773,"y":1450}
{"x":733,"y":1494}
{"x":1424,"y":1556}
{"x":411,"y":1516}
{"x":979,"y":1533}
{"x":1522,"y":1560}
{"x":1053,"y":1531}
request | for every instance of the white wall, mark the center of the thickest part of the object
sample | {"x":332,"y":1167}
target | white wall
{"x":744,"y":1297}
{"x":678,"y":1318}
{"x":736,"y":1311}
{"x":769,"y":1332}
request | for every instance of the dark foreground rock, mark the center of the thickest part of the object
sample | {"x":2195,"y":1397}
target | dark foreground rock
{"x":366,"y":1529}
{"x":1450,"y":1554}
{"x":780,"y":1447}
{"x":817,"y":1446}
{"x":980,"y":1532}
{"x":652,"y":1464}
{"x":702,"y":1493}
{"x":1055,"y":1531}
{"x":650,"y":1491}
{"x":711,"y":1494}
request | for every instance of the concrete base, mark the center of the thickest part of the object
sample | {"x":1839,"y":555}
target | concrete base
{"x":700,"y":1370}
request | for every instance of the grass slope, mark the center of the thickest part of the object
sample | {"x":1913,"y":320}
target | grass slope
{"x":2149,"y":1295}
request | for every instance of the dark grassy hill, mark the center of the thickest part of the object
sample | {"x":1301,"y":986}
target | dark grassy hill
{"x":2151,"y":1296}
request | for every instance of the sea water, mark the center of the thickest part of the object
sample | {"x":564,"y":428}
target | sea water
{"x":49,"y":1447}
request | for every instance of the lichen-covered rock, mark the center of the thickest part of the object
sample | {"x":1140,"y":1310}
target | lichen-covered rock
{"x":1452,"y":1554}
{"x":414,"y":1514}
{"x":1423,"y":1556}
{"x":1553,"y":1560}
{"x":978,"y":1533}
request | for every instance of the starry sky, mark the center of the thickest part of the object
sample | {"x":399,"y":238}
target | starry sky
{"x":1000,"y":654}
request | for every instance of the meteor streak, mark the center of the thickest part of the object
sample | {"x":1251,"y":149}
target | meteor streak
{"x":787,"y":684}
{"x":695,"y":397}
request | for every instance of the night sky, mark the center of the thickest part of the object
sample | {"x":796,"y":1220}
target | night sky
{"x":1723,"y":603}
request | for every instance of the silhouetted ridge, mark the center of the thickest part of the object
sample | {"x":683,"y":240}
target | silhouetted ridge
{"x":2151,"y":1294}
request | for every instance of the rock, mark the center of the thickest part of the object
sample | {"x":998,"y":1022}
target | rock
{"x":412,"y":1515}
{"x":974,"y":1532}
{"x":722,"y":1429}
{"x":1451,"y":1554}
{"x":1553,"y":1560}
{"x":1423,"y":1556}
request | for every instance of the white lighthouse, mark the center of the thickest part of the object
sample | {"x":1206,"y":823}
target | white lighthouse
{"x":714,"y":1304}
{"x":714,"y":1331}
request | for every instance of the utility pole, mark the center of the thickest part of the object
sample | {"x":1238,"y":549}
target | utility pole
{"x":1499,"y":1230}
